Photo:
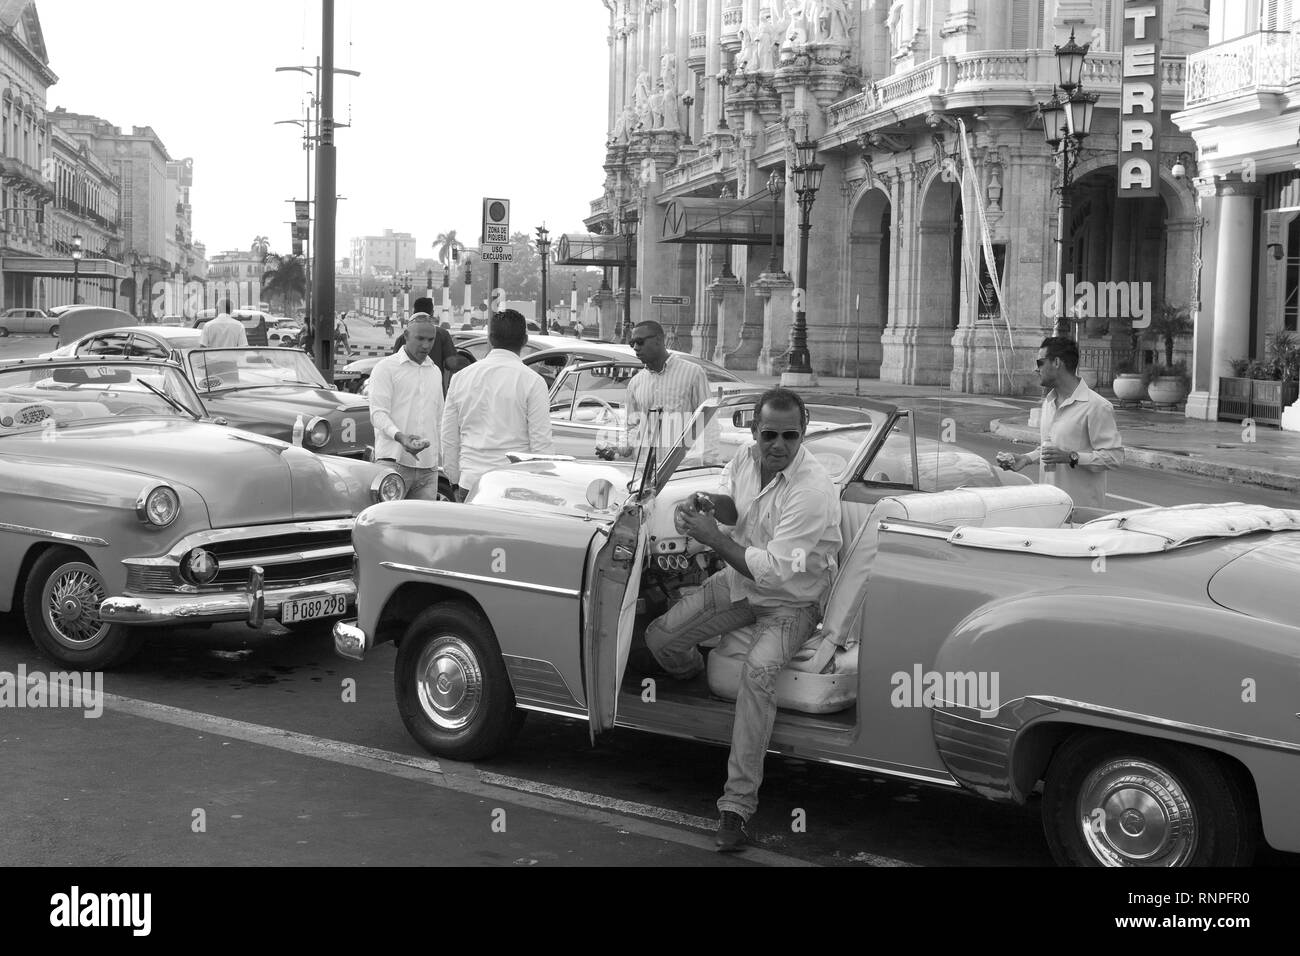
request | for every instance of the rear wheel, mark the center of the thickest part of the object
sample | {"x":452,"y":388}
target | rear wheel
{"x":61,"y":605}
{"x":1115,"y":800}
{"x":452,"y":689}
{"x":55,"y":331}
{"x":3,"y":332}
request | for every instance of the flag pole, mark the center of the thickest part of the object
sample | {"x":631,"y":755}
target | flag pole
{"x":857,"y":322}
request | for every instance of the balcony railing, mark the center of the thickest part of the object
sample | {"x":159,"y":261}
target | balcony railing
{"x":699,"y":42}
{"x":1263,"y":61}
{"x":983,"y":75}
{"x":599,"y":207}
{"x":681,"y":175}
{"x":732,"y":20}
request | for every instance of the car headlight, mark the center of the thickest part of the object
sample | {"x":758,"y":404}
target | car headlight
{"x":318,"y":432}
{"x":158,"y":506}
{"x":389,"y":487}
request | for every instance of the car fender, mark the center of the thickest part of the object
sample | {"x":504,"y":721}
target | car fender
{"x":524,"y":571}
{"x":1125,"y":661}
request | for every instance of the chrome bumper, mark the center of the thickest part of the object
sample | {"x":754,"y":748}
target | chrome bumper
{"x":350,"y":641}
{"x":253,"y":605}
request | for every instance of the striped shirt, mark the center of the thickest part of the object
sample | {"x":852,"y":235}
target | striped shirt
{"x":679,"y":388}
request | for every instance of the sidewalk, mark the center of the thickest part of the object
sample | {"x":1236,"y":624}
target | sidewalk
{"x":1166,"y":441}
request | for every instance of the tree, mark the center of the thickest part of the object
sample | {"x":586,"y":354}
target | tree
{"x":444,"y":244}
{"x":261,"y":246}
{"x":288,"y":280}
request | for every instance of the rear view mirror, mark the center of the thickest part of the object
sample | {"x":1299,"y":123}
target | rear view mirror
{"x":598,"y":493}
{"x":743,"y":418}
{"x":92,"y":375}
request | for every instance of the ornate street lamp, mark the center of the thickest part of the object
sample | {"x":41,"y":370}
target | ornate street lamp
{"x":428,"y":283}
{"x":469,"y":285}
{"x":724,"y":80}
{"x":406,"y":297}
{"x":807,"y":180}
{"x":628,"y":224}
{"x":543,"y":250}
{"x":776,"y":189}
{"x":1067,"y":121}
{"x":76,"y":265}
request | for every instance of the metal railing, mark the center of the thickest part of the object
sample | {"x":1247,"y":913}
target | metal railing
{"x":1266,"y":60}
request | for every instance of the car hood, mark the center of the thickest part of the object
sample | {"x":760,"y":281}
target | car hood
{"x":554,"y":487}
{"x":1261,"y":582}
{"x":244,"y":478}
{"x":363,"y":365}
{"x":281,"y":404}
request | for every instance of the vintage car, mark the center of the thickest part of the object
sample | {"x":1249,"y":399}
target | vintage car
{"x":28,"y":320}
{"x":122,"y":506}
{"x":1140,"y":668}
{"x":267,"y":390}
{"x":133,"y":341}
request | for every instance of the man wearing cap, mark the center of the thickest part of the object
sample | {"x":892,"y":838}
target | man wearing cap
{"x":406,"y":409}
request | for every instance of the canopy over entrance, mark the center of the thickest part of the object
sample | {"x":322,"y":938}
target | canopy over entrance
{"x":578,"y":249}
{"x":64,"y":269}
{"x":723,"y":222}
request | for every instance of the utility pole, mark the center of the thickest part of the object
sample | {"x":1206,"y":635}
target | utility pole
{"x":326,"y":203}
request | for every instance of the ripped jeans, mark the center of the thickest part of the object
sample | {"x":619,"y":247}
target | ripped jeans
{"x":781,"y":631}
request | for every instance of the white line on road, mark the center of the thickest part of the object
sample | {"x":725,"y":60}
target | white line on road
{"x":1144,"y":504}
{"x":622,"y":815}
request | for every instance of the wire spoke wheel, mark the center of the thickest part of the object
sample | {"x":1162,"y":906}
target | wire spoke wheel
{"x":71,"y":606}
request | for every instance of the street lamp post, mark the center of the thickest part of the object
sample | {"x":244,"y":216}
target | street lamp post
{"x":1067,"y":120}
{"x":628,"y":224}
{"x":469,"y":285}
{"x":724,"y":80}
{"x":406,"y":298}
{"x":428,"y":284}
{"x":394,"y":288}
{"x":776,"y":188}
{"x":543,"y":250}
{"x":807,"y":180}
{"x":76,"y":266}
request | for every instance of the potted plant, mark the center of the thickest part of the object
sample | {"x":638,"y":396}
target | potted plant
{"x":1168,"y":384}
{"x":1129,"y":385}
{"x":1168,"y":323}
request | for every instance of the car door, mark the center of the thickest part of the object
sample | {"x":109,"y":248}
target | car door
{"x":146,"y":346}
{"x":589,"y":408}
{"x":889,"y":465}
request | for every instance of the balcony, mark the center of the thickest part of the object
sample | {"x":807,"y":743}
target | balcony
{"x":599,"y":207}
{"x":1261,"y":62}
{"x":698,"y":50}
{"x":690,"y":174}
{"x":732,"y":21}
{"x":988,"y":77}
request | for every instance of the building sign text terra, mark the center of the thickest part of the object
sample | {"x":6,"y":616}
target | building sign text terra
{"x":1139,"y":113}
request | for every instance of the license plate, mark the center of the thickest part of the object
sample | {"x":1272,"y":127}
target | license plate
{"x":312,"y":608}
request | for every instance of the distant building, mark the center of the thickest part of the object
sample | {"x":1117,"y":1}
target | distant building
{"x":86,"y":196}
{"x":380,"y":255}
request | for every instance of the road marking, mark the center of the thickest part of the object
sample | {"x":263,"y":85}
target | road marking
{"x":621,"y":815}
{"x":1144,"y":504}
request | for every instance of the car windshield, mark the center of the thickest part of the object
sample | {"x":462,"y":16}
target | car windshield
{"x":38,"y":396}
{"x":217,"y":370}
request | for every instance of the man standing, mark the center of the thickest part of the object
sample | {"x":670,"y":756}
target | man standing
{"x":406,"y":409}
{"x":785,"y":515}
{"x":495,"y":407}
{"x":444,"y":350}
{"x":1079,"y":439}
{"x":224,"y":332}
{"x":669,"y":382}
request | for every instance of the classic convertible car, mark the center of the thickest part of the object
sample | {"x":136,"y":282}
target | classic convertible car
{"x":1140,"y":668}
{"x":121,"y":505}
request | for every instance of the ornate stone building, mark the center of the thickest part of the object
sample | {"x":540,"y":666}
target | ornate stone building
{"x":937,"y":182}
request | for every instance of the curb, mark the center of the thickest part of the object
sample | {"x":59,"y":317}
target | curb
{"x":1163,"y":461}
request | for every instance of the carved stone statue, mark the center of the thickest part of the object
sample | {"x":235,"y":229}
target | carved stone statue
{"x":668,"y":72}
{"x":768,"y":40}
{"x":663,"y":110}
{"x":641,"y":97}
{"x":798,"y":30}
{"x":624,"y":124}
{"x":833,"y":20}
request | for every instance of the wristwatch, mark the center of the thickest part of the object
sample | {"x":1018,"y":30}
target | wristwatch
{"x":1074,"y":459}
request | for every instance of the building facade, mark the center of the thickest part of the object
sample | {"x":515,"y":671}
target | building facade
{"x":1243,"y":110}
{"x":382,"y":255}
{"x":86,"y":194}
{"x":934,"y":236}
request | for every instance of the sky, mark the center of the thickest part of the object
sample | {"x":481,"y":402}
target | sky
{"x":457,"y":101}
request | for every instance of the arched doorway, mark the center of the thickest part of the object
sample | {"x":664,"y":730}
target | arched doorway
{"x":938,"y":295}
{"x":869,"y":282}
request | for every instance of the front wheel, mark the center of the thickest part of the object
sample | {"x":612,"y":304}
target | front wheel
{"x":3,"y":332}
{"x":61,"y":605}
{"x":452,"y":689}
{"x":55,"y":331}
{"x":1113,"y":800}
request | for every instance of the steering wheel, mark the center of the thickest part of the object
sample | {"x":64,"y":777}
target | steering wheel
{"x":608,"y":409}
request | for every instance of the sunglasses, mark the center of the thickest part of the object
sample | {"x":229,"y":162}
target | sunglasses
{"x":1041,"y":362}
{"x":773,"y":436}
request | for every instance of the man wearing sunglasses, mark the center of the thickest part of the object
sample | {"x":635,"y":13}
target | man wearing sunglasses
{"x":669,"y":382}
{"x":1079,"y":438}
{"x":783,"y":512}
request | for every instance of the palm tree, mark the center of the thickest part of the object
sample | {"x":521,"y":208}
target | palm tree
{"x":288,"y":278}
{"x":444,"y":245}
{"x":261,"y":246}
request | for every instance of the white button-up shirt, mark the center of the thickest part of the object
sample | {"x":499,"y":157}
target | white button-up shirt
{"x":494,"y":407}
{"x":1083,"y":422}
{"x":679,"y":388}
{"x":406,"y":398}
{"x":790,"y":530}
{"x":224,"y":332}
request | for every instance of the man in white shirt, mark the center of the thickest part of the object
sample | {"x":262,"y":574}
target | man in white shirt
{"x":1080,"y":441}
{"x":495,"y":407}
{"x":669,"y":382}
{"x":224,"y":332}
{"x":406,"y":409}
{"x":784,"y":514}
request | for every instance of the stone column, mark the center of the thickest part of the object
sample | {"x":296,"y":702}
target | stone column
{"x":607,"y":313}
{"x":1231,"y":217}
{"x":712,"y":65}
{"x":777,"y":293}
{"x":728,"y":296}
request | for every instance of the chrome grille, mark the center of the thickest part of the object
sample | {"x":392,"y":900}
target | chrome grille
{"x":152,"y":578}
{"x":275,"y":553}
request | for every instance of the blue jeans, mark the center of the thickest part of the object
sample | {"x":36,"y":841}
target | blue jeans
{"x":674,"y":640}
{"x":421,"y":483}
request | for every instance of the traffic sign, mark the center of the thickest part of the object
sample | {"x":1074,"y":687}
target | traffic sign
{"x":496,"y":224}
{"x":496,"y":254}
{"x":670,"y":300}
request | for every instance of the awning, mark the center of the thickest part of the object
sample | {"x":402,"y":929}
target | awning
{"x":580,"y":249}
{"x":722,"y":222}
{"x":63,"y":268}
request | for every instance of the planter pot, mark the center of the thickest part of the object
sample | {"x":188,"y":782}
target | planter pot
{"x":1129,"y":387}
{"x":1168,"y":390}
{"x":1089,"y":375}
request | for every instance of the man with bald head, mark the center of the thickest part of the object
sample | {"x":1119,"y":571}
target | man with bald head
{"x":406,"y":409}
{"x":669,"y":382}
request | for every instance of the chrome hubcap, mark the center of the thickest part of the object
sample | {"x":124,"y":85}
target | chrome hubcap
{"x":1135,"y":813}
{"x":72,"y":599}
{"x":449,"y":682}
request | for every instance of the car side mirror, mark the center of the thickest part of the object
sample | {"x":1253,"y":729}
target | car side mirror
{"x":598,"y":493}
{"x":743,"y":418}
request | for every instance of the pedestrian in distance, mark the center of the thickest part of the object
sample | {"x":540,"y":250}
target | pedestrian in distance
{"x":406,"y":409}
{"x":224,"y":332}
{"x":1078,"y":438}
{"x":388,"y":326}
{"x":495,"y":407}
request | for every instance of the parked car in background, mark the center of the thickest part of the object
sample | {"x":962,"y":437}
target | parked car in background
{"x":283,"y":338}
{"x":25,"y":321}
{"x":254,"y":322}
{"x":976,"y":636}
{"x":567,"y":352}
{"x":267,"y":390}
{"x":122,"y":507}
{"x":138,"y":341}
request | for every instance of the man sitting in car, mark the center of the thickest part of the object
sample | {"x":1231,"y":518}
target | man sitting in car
{"x":784,"y":514}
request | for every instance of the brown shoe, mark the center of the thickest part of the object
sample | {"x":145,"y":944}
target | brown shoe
{"x":731,"y":832}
